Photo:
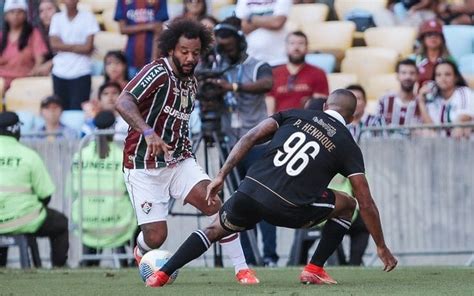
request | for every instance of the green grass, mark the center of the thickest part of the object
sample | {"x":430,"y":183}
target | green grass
{"x":279,"y":281}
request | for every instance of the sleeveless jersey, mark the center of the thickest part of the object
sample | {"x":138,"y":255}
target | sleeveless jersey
{"x":165,"y":102}
{"x":309,"y":148}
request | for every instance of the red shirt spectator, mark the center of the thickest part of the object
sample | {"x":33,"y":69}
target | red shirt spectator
{"x":296,"y":81}
{"x":291,"y":91}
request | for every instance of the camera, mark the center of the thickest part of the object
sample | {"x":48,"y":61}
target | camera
{"x":213,"y":100}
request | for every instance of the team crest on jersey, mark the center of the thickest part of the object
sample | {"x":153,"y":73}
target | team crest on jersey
{"x":146,"y":207}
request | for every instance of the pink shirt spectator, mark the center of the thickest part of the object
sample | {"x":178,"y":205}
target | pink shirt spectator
{"x":15,"y":63}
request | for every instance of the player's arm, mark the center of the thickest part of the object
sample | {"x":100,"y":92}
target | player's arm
{"x":259,"y":134}
{"x":370,"y":215}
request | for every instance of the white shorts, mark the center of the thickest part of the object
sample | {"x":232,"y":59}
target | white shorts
{"x":151,"y":189}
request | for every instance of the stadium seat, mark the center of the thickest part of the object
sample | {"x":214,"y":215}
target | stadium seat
{"x":366,"y":62}
{"x":107,"y":41}
{"x":325,"y":61}
{"x":378,"y":85}
{"x":110,"y":24}
{"x":28,"y":121}
{"x":99,"y":6}
{"x":469,"y":80}
{"x":25,"y":94}
{"x":306,"y":15}
{"x":333,"y":36}
{"x":400,"y":39}
{"x":340,"y":80}
{"x":466,"y":64}
{"x":342,"y":7}
{"x":73,"y":119}
{"x":459,"y":39}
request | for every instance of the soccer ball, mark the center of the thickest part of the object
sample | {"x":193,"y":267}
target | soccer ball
{"x":153,"y":261}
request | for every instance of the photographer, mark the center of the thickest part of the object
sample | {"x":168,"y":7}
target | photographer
{"x":244,"y":86}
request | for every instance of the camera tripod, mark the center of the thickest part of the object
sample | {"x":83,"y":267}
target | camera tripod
{"x":209,"y":137}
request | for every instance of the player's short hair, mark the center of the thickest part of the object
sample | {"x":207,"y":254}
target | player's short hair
{"x":189,"y":29}
{"x":406,"y":62}
{"x":344,"y":101}
{"x":299,"y":34}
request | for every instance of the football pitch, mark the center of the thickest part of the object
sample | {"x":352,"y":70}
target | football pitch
{"x":277,"y":281}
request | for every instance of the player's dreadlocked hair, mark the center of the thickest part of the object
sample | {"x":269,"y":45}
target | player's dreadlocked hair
{"x":187,"y":28}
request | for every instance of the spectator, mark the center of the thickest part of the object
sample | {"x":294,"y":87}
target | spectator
{"x":244,"y":88}
{"x":108,"y":95}
{"x":142,"y":21}
{"x":432,"y":48}
{"x":209,"y":21}
{"x":406,"y":13}
{"x":116,"y":68}
{"x":457,"y":14}
{"x":448,"y":100}
{"x":195,"y":9}
{"x":72,"y":38}
{"x":51,"y":110}
{"x":22,"y":49}
{"x":401,"y":107}
{"x":361,"y":117}
{"x":263,"y":23}
{"x":47,"y":8}
{"x":296,"y":81}
{"x":26,"y":189}
{"x":108,"y":219}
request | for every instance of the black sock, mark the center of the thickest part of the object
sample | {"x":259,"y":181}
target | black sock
{"x":193,"y":247}
{"x":331,"y":236}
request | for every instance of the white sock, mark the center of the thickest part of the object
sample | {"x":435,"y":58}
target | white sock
{"x":232,"y":247}
{"x":143,"y":248}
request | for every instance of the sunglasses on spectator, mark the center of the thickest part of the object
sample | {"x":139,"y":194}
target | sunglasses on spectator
{"x":432,"y":34}
{"x":291,"y":82}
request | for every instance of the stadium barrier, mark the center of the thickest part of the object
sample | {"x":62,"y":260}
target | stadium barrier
{"x":423,"y":186}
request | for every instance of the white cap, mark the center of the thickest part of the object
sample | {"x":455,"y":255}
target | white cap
{"x":15,"y":4}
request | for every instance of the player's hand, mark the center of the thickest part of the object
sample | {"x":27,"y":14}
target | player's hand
{"x":389,"y":261}
{"x":213,"y":190}
{"x":156,"y":146}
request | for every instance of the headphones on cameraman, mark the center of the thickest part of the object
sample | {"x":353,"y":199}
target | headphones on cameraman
{"x":236,"y":32}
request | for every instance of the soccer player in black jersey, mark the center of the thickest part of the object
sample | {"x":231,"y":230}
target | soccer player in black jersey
{"x":288,"y":186}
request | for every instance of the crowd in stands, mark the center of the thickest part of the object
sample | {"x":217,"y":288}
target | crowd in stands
{"x":59,"y":41}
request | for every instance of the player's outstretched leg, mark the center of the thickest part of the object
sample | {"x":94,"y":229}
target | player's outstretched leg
{"x":193,"y":247}
{"x":337,"y":225}
{"x":230,"y":244}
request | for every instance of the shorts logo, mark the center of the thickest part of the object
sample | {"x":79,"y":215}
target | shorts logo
{"x":146,"y":207}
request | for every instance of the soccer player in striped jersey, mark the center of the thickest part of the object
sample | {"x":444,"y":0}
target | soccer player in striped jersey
{"x":158,"y":161}
{"x":288,"y":187}
{"x":401,"y":107}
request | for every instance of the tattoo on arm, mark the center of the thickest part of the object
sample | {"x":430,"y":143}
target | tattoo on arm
{"x":128,"y":109}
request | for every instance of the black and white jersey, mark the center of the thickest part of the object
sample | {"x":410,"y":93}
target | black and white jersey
{"x":309,"y":148}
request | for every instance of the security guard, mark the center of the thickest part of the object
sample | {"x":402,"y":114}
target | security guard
{"x":25,"y":191}
{"x":108,"y":219}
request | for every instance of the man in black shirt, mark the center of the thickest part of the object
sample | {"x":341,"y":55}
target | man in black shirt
{"x":288,"y":187}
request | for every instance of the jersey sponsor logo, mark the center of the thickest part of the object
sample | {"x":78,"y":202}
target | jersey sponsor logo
{"x":11,"y":161}
{"x":141,"y":15}
{"x":145,"y":81}
{"x":100,"y":165}
{"x":176,"y":114}
{"x":146,"y":207}
{"x":331,"y":130}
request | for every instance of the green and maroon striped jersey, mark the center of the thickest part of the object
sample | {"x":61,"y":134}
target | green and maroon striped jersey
{"x":165,"y":102}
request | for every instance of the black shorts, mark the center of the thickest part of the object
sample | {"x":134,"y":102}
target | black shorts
{"x":242,"y":212}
